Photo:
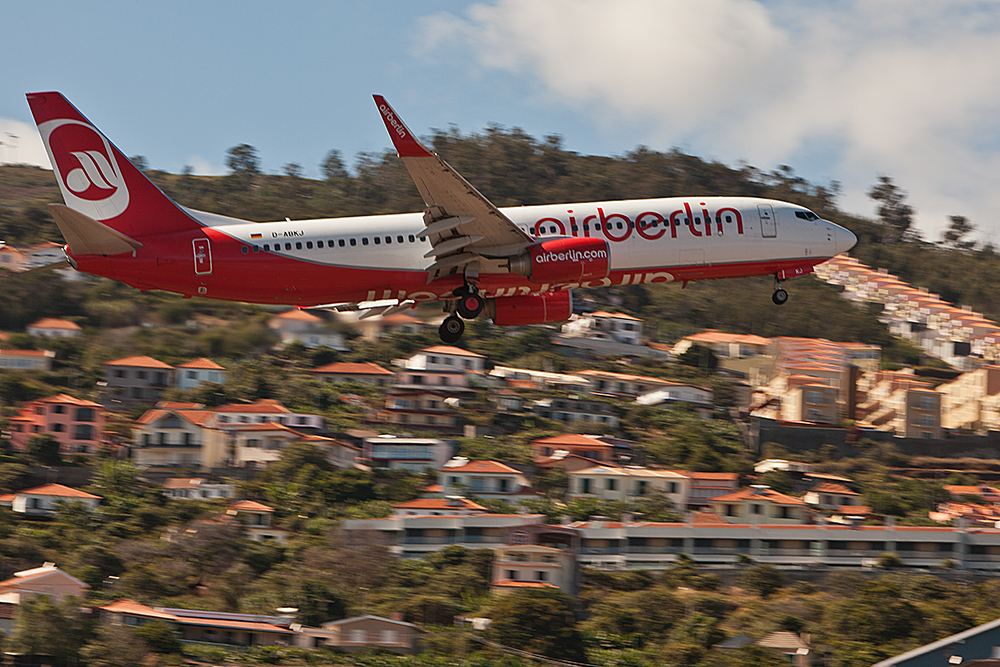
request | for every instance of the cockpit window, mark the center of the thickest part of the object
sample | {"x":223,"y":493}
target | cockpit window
{"x":806,"y":215}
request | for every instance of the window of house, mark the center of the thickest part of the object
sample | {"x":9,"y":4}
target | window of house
{"x":756,"y":509}
{"x":611,"y":484}
{"x":58,"y":409}
{"x":57,"y":428}
{"x":541,"y":575}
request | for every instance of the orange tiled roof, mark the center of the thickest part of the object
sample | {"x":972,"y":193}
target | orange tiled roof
{"x":53,"y":323}
{"x":138,"y":362}
{"x":439,"y":504}
{"x":250,"y":506}
{"x":523,"y":584}
{"x":262,"y":406}
{"x":126,"y":606}
{"x":202,"y":363}
{"x":449,"y":349}
{"x":299,"y":316}
{"x":58,"y":490}
{"x":482,"y":467}
{"x":617,"y":316}
{"x":347,"y":368}
{"x":71,"y":400}
{"x":769,"y":495}
{"x":570,"y":439}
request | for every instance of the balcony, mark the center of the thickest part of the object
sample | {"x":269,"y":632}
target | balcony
{"x":430,"y":540}
{"x":655,"y":550}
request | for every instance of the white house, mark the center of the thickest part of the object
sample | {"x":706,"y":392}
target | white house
{"x":629,"y":483}
{"x":192,"y":373}
{"x":197,"y":488}
{"x":617,"y":327}
{"x":45,"y":500}
{"x":50,"y":327}
{"x":45,"y":580}
{"x":298,"y":326}
{"x":446,"y":358}
{"x":27,"y":360}
{"x":484,"y":479}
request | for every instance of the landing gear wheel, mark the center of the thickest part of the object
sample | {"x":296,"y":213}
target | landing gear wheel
{"x":470,"y":305}
{"x":451,"y":329}
{"x":780,"y":296}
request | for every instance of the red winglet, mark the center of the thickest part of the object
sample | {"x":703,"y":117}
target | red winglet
{"x":404,"y":141}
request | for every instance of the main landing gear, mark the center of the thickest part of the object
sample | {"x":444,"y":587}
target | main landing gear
{"x":780,"y":296}
{"x":469,"y":305}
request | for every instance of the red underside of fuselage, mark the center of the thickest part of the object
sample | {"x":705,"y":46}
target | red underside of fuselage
{"x":265,"y":277}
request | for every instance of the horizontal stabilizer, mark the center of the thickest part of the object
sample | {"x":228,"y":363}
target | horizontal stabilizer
{"x":86,"y":236}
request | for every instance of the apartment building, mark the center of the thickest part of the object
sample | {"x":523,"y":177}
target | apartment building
{"x":572,"y":409}
{"x":192,"y":374}
{"x":724,"y":345}
{"x":760,"y":504}
{"x":418,"y":454}
{"x":616,"y":327}
{"x":966,"y":401}
{"x":135,"y":380}
{"x":484,"y":479}
{"x":597,"y":448}
{"x":76,"y":423}
{"x":359,"y":373}
{"x":50,"y":327}
{"x":178,"y":437}
{"x":629,"y":483}
{"x":900,"y":403}
{"x":446,"y":358}
{"x":526,"y":566}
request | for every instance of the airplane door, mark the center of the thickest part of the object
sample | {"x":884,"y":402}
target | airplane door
{"x":202,"y":257}
{"x":767,"y":227}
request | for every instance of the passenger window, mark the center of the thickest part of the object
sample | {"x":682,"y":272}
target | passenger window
{"x":245,"y":250}
{"x":267,"y":247}
{"x":330,"y":243}
{"x":341,"y":243}
{"x":354,"y":242}
{"x":364,"y":241}
{"x":377,"y":240}
{"x":399,"y":239}
{"x":319,"y":244}
{"x":256,"y":248}
{"x":423,"y":238}
{"x":288,"y":246}
{"x":411,"y":238}
{"x":298,"y":245}
{"x":309,"y":245}
{"x":388,"y":239}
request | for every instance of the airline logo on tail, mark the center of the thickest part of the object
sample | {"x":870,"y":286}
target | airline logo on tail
{"x":89,"y":176}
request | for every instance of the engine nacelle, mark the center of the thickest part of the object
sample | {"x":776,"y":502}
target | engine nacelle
{"x":512,"y":311}
{"x":567,"y":260}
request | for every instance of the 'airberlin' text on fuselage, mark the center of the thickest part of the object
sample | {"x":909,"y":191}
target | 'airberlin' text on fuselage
{"x":650,"y":225}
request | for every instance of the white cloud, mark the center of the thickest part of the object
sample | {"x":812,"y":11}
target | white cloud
{"x":898,"y":87}
{"x":202,"y":167}
{"x":20,"y":143}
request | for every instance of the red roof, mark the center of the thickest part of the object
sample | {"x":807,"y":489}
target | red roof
{"x":53,"y":323}
{"x":196,"y":417}
{"x":70,"y":400}
{"x":362,"y":368}
{"x":262,"y":406}
{"x":440,"y":504}
{"x":250,"y":506}
{"x":571,"y":439}
{"x":57,"y":490}
{"x":482,"y":467}
{"x":126,"y":606}
{"x":299,"y":316}
{"x":27,"y":353}
{"x":769,"y":495}
{"x":523,"y":584}
{"x":617,"y":316}
{"x":202,"y":363}
{"x":139,"y":362}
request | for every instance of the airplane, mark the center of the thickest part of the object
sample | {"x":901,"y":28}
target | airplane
{"x":516,"y":266}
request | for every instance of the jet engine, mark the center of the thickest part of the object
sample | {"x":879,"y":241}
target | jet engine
{"x":565,"y":260}
{"x":511,"y":311}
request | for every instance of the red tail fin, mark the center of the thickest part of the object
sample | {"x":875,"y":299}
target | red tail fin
{"x":96,"y":179}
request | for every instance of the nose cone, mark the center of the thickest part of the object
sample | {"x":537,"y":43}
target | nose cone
{"x":843,"y":239}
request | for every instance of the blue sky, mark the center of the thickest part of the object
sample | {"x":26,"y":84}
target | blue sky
{"x":840,"y":91}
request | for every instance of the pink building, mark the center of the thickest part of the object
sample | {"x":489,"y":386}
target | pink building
{"x":77,"y":424}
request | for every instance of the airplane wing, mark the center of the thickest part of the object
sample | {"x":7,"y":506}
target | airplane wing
{"x":461,"y":224}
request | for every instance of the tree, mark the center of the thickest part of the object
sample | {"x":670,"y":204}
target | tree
{"x":333,"y":167}
{"x":245,"y":165}
{"x":48,"y":628}
{"x":893,"y":212}
{"x":538,"y":621}
{"x":959,"y":227}
{"x":762,"y":579}
{"x":116,"y":646}
{"x":43,"y":449}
